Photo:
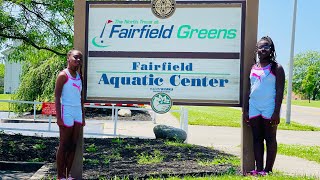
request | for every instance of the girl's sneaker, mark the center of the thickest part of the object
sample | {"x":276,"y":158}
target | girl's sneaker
{"x":254,"y":173}
{"x":262,"y":173}
{"x":70,"y":178}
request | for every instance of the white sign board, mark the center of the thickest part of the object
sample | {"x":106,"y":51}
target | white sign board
{"x":194,"y":56}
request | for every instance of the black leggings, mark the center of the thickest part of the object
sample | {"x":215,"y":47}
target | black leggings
{"x":262,"y":130}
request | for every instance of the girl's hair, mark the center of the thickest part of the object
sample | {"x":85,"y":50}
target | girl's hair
{"x":70,"y":51}
{"x":273,"y":53}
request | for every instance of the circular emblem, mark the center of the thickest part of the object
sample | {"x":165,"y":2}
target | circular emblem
{"x":163,"y":8}
{"x":161,"y":103}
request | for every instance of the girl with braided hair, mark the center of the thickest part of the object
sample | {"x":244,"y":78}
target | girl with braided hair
{"x":70,"y":114}
{"x":267,"y":79}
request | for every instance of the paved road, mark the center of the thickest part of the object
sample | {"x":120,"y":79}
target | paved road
{"x":300,"y":114}
{"x":4,"y":114}
{"x":303,"y":115}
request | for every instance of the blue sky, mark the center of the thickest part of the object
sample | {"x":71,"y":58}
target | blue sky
{"x":275,"y":20}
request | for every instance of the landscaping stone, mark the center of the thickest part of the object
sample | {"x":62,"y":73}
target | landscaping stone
{"x":124,"y":112}
{"x":170,"y":133}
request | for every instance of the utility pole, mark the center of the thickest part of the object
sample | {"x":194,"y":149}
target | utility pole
{"x":289,"y":92}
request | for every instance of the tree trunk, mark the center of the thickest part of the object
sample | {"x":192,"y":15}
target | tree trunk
{"x":314,"y":94}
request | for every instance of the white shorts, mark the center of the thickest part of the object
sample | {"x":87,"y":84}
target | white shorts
{"x":266,"y":113}
{"x":71,"y":115}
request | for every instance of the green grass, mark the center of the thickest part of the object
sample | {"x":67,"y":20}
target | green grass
{"x":3,"y":105}
{"x":274,"y":176}
{"x":225,"y":116}
{"x":235,"y":161}
{"x":304,"y":103}
{"x":5,"y":96}
{"x":211,"y":116}
{"x":178,"y":144}
{"x":92,"y":148}
{"x":296,"y":126}
{"x":144,"y":158}
{"x":311,"y":153}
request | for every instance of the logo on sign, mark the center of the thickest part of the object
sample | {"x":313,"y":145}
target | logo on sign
{"x":163,"y":8}
{"x":161,"y":103}
{"x":98,"y":40}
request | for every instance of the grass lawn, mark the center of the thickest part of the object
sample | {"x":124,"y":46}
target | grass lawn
{"x":304,"y":103}
{"x":311,"y":153}
{"x":4,"y":106}
{"x":5,"y":96}
{"x":225,"y":116}
{"x":274,"y":176}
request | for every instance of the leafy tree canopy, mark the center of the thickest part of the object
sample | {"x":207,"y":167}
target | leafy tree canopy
{"x":306,"y":74}
{"x":43,"y":24}
{"x":38,"y":76}
{"x":2,"y":71}
{"x":45,"y":30}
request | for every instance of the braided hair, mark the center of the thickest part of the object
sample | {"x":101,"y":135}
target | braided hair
{"x":273,"y":54}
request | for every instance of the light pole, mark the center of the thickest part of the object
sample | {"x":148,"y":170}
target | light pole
{"x":289,"y":92}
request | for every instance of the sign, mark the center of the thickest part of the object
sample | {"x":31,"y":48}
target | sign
{"x":161,"y":103}
{"x":195,"y":55}
{"x":48,"y":108}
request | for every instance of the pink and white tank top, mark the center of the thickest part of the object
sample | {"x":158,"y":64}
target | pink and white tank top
{"x":71,"y":91}
{"x":263,"y":87}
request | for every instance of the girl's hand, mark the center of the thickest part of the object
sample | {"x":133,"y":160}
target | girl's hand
{"x":275,"y":119}
{"x":60,"y":122}
{"x":246,"y":118}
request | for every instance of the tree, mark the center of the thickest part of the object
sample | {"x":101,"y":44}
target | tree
{"x":38,"y":76}
{"x":2,"y":71}
{"x":45,"y":30}
{"x":306,"y":74}
{"x":43,"y":24}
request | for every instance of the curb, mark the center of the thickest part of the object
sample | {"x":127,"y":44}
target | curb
{"x":20,"y":166}
{"x":25,"y":121}
{"x":42,"y":172}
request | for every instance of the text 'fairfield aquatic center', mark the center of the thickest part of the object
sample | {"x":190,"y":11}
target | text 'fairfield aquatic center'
{"x":151,"y":79}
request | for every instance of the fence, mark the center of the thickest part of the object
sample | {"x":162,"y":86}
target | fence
{"x":35,"y":103}
{"x":114,"y":108}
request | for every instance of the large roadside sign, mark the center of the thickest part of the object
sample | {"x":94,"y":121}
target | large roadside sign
{"x":195,"y":55}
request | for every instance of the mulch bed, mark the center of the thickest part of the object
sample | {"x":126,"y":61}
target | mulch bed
{"x":105,"y":158}
{"x":96,"y":114}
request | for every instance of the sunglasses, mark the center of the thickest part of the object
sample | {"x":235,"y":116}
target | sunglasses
{"x":266,"y":47}
{"x":77,"y":58}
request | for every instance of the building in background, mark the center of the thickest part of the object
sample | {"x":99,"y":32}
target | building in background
{"x":1,"y":59}
{"x":12,"y":74}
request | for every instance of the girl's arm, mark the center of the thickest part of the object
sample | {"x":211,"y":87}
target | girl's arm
{"x":246,"y":104}
{"x":61,"y":79}
{"x":280,"y":81}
